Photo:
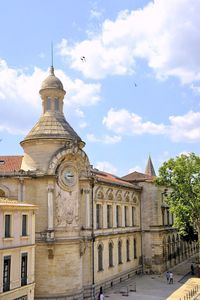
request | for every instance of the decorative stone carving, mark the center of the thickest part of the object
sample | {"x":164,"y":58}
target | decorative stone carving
{"x":66,"y":208}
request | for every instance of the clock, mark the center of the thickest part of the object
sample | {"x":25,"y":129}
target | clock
{"x":69,"y":176}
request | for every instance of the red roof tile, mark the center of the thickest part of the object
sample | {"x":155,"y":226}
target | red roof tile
{"x":111,"y":178}
{"x":137,"y":177}
{"x":10,"y":163}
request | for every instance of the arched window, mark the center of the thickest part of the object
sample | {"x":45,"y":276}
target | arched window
{"x":56,"y":104}
{"x":133,"y":216}
{"x":126,"y":215}
{"x":135,"y":247}
{"x":48,"y":104}
{"x":169,"y":247}
{"x":2,"y":193}
{"x":98,"y":216}
{"x":100,"y":258}
{"x":118,"y":215}
{"x":119,"y":252}
{"x":127,"y":250}
{"x":110,"y":254}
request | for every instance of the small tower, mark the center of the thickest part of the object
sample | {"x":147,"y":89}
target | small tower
{"x":149,"y":168}
{"x":52,"y":131}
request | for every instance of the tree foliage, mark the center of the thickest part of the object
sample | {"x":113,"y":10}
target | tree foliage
{"x":181,"y":177}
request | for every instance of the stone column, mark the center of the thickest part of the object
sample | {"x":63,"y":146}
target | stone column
{"x":105,"y":216}
{"x":87,"y":208}
{"x":21,"y":189}
{"x":50,"y":206}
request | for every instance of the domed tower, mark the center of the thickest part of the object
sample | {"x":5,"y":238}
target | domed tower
{"x":57,"y":180}
{"x":52,"y":131}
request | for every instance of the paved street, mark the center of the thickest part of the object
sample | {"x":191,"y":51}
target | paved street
{"x":151,"y":287}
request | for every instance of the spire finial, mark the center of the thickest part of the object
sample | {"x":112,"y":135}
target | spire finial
{"x":52,"y":68}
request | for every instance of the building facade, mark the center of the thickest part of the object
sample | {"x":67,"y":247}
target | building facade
{"x":17,"y":250}
{"x":93,"y":229}
{"x":162,"y":247}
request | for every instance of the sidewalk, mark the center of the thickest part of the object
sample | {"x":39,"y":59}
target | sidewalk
{"x":151,"y":287}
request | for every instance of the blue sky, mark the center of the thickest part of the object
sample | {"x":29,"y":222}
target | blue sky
{"x":137,"y":93}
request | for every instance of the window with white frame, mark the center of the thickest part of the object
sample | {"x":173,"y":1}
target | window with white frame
{"x":7,"y":224}
{"x":6,"y":273}
{"x":24,"y":225}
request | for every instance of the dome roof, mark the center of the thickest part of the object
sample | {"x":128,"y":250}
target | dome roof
{"x":52,"y":82}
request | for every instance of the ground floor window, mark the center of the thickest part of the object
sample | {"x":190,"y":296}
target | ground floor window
{"x":6,"y":273}
{"x":22,"y":298}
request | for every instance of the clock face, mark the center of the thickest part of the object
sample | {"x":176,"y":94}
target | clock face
{"x":68,"y":176}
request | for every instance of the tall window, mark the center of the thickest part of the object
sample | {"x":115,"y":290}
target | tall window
{"x":167,"y":216}
{"x":56,"y":104}
{"x":48,"y":105}
{"x":127,"y":250}
{"x":7,"y":226}
{"x":6,"y":273}
{"x":110,"y":254}
{"x":126,"y":215}
{"x":117,"y":215}
{"x":120,"y":252}
{"x":133,"y":216}
{"x":109,"y":216}
{"x":24,"y":261}
{"x":98,"y":216}
{"x":100,"y":258}
{"x":135,"y":248}
{"x":24,"y":225}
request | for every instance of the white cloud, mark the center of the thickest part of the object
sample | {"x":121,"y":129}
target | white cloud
{"x":180,"y":128}
{"x":106,"y":167}
{"x":164,"y":33}
{"x":122,"y":121}
{"x":186,"y":127}
{"x":20,"y":101}
{"x":106,"y":139}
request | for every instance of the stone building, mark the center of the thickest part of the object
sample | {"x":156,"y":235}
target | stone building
{"x":17,"y":249}
{"x":162,"y":246}
{"x":93,"y":229}
{"x":88,"y":225}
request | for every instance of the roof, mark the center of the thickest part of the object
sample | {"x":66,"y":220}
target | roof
{"x":52,"y":126}
{"x":52,"y":82}
{"x":138,"y":177}
{"x":149,"y":168}
{"x":6,"y":202}
{"x":110,"y":178}
{"x":10,"y":163}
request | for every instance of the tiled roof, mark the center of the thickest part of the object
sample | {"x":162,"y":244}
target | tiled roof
{"x":107,"y":177}
{"x":137,"y":177}
{"x":51,"y":125}
{"x":149,"y":168}
{"x":10,"y":163}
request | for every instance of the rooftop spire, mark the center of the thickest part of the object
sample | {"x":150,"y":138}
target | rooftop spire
{"x":52,"y":68}
{"x":149,"y":168}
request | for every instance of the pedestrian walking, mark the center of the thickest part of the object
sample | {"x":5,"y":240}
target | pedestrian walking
{"x":171,"y":280}
{"x":101,"y":295}
{"x":167,"y":276}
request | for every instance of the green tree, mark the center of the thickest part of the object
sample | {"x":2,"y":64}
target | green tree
{"x":181,"y":177}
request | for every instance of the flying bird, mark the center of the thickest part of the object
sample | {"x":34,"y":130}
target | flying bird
{"x":135,"y":84}
{"x":83,"y":58}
